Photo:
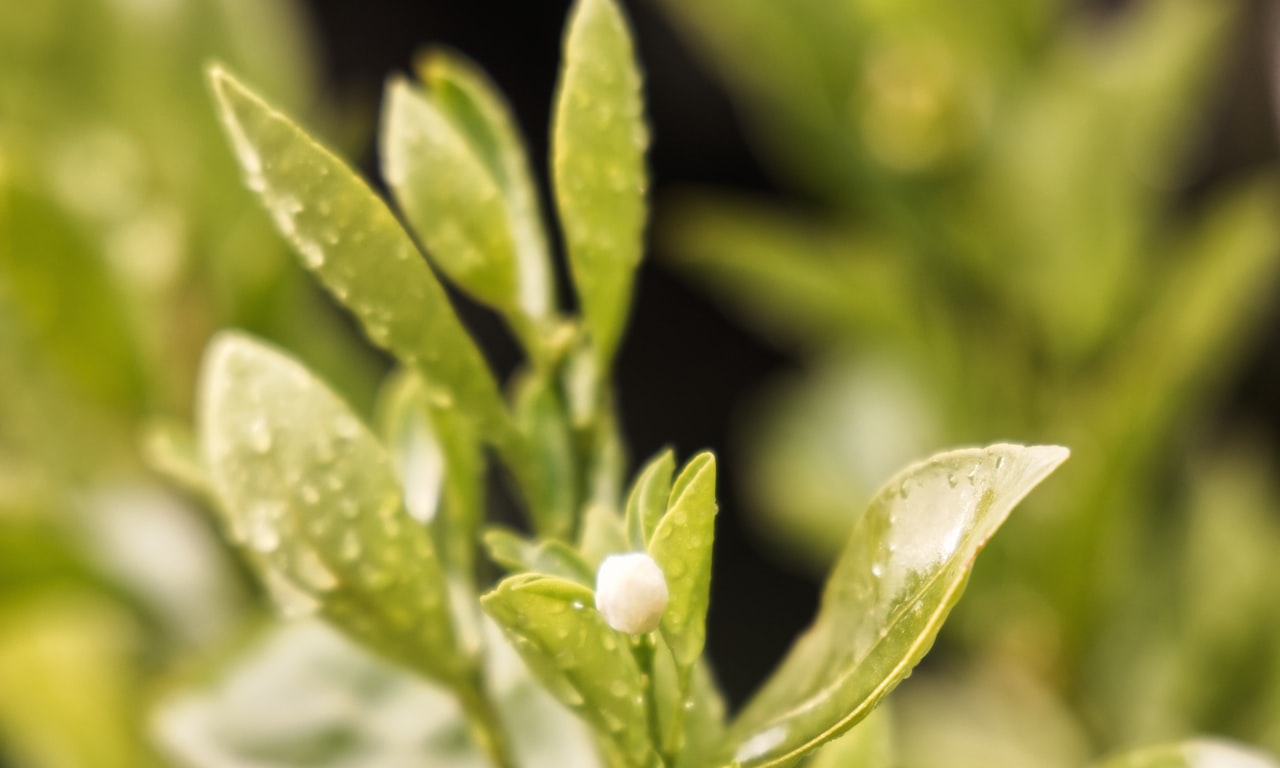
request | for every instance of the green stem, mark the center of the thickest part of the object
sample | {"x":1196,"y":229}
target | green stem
{"x":486,"y":725}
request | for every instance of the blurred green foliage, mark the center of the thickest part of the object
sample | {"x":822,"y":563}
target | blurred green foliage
{"x":1000,"y":244}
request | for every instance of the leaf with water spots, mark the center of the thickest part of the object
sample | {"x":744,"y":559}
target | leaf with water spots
{"x":598,"y":144}
{"x":647,"y":501}
{"x":589,"y":667}
{"x":681,"y":546}
{"x":348,"y":237}
{"x":1203,"y":753}
{"x":904,"y":567}
{"x":550,"y":557}
{"x":311,"y":498}
{"x":453,"y":160}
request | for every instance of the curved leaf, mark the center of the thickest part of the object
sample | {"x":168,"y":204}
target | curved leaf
{"x":349,"y":238}
{"x":585,"y":664}
{"x":648,"y":499}
{"x":598,"y":144}
{"x":905,"y":565}
{"x":310,"y":496}
{"x":681,"y":546}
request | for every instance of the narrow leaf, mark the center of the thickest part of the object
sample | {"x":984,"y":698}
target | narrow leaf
{"x":463,"y":91}
{"x":598,"y":144}
{"x":648,"y":499}
{"x":311,"y":498}
{"x":904,"y":567}
{"x":681,"y":546}
{"x":589,"y":667}
{"x":549,"y":557}
{"x":349,"y":238}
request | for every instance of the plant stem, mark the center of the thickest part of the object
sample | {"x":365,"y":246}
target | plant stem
{"x":486,"y":725}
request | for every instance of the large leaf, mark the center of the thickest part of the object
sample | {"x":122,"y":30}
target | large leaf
{"x":312,"y":499}
{"x":904,"y":567}
{"x":1193,"y":754}
{"x":585,"y":664}
{"x":349,"y":238}
{"x":598,"y":146}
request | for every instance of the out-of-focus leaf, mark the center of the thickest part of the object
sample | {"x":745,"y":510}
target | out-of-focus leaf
{"x":310,"y":496}
{"x":450,"y":197}
{"x":603,"y":534}
{"x":170,"y":449}
{"x":304,"y":696}
{"x":598,"y":144}
{"x":550,"y":556}
{"x":68,"y":696}
{"x":355,"y":245}
{"x":462,"y":90}
{"x":647,"y":502}
{"x":541,"y":415}
{"x":681,"y":546}
{"x":1193,"y":754}
{"x":796,"y":280}
{"x":904,"y":567}
{"x":585,"y":664}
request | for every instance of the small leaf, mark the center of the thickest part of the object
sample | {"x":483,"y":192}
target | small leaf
{"x":648,"y":500}
{"x":169,"y":449}
{"x":1193,"y":754}
{"x":598,"y":144}
{"x":904,"y":567}
{"x":549,"y":556}
{"x":311,"y":498}
{"x":463,"y":91}
{"x":354,"y":244}
{"x":449,"y":196}
{"x":681,"y":546}
{"x":541,"y":416}
{"x":602,"y":534}
{"x":590,"y":668}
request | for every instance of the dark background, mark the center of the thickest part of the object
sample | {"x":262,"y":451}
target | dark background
{"x":685,"y":371}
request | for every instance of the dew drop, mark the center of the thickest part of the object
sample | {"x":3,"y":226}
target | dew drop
{"x":259,"y":435}
{"x":952,"y":480}
{"x":577,"y":605}
{"x":877,"y":570}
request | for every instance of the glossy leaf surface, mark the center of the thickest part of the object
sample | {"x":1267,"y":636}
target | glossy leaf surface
{"x":598,"y":144}
{"x":904,"y":567}
{"x":310,"y":496}
{"x":682,"y":548}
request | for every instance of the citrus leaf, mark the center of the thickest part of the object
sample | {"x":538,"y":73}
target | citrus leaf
{"x":310,"y":496}
{"x":551,"y":557}
{"x":681,"y":546}
{"x":904,"y":567}
{"x":348,"y":237}
{"x":598,"y":144}
{"x":586,"y":665}
{"x":648,"y":499}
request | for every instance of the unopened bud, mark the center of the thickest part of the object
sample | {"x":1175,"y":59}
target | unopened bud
{"x":631,"y":593}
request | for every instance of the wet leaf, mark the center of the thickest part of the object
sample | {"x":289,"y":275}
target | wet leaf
{"x":349,"y":238}
{"x":598,"y":144}
{"x":681,"y":546}
{"x":904,"y":567}
{"x":648,"y":499}
{"x":310,"y":496}
{"x":589,"y":667}
{"x":550,"y":557}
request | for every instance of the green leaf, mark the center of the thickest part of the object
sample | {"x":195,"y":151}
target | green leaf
{"x":543,"y":420}
{"x":1193,"y":754}
{"x":598,"y":144}
{"x":170,"y":449}
{"x":904,"y":567}
{"x":349,"y":238}
{"x":450,"y":197}
{"x":585,"y":664}
{"x":648,"y":500}
{"x":681,"y":546}
{"x":602,"y":534}
{"x":869,"y":745}
{"x":311,"y":498}
{"x":549,"y":556}
{"x":463,"y":91}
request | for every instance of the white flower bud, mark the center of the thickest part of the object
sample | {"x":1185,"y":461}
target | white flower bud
{"x":631,"y":593}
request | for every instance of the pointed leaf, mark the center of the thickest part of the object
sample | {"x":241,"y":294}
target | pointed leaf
{"x":349,"y":238}
{"x":1193,"y":754}
{"x":905,"y":565}
{"x":681,"y":546}
{"x":449,"y":196}
{"x":463,"y":91}
{"x":588,"y":666}
{"x":549,"y":557}
{"x":311,"y":498}
{"x":598,"y":143}
{"x":648,"y":499}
